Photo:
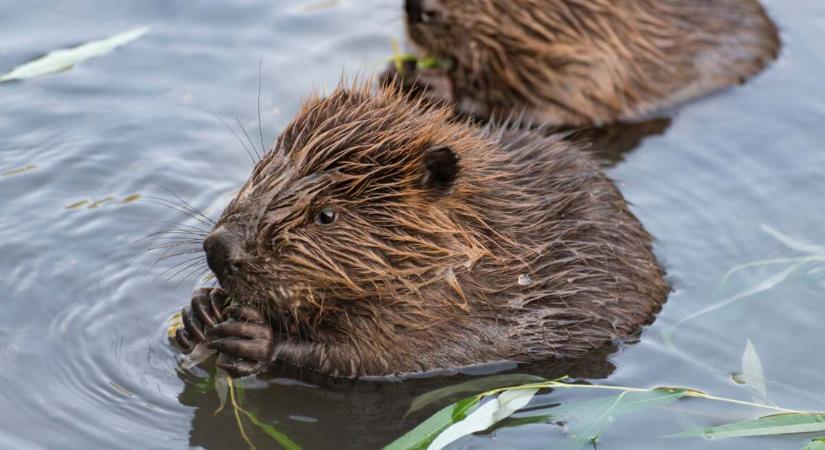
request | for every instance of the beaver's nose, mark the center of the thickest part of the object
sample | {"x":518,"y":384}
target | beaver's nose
{"x":415,"y":10}
{"x":224,"y":253}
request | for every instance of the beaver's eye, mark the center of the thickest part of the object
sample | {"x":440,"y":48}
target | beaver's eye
{"x":429,"y":16}
{"x":326,"y":216}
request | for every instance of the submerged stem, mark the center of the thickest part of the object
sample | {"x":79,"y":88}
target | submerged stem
{"x":237,"y":409}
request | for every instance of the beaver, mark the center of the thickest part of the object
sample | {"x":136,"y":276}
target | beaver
{"x":574,"y":63}
{"x":381,"y":236}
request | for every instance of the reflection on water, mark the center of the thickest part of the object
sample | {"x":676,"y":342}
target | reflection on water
{"x":83,"y":353}
{"x":610,"y":143}
{"x":361,"y":407}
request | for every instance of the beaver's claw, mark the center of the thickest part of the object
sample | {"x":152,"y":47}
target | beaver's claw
{"x":244,"y":341}
{"x":203,"y":314}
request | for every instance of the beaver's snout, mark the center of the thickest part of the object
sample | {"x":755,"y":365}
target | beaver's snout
{"x":420,"y":11}
{"x":224,"y":253}
{"x":414,"y":10}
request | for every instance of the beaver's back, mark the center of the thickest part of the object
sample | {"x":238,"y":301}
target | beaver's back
{"x":576,"y":63}
{"x":595,"y":277}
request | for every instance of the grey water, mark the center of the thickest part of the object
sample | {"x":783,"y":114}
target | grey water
{"x":733,"y":188}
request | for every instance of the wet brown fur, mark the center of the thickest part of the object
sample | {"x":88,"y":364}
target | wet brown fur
{"x":530,"y":254}
{"x":578,"y":62}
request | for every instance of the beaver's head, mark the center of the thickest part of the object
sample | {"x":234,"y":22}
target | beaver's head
{"x":491,"y":49}
{"x":361,"y":201}
{"x":443,"y":27}
{"x":471,"y":33}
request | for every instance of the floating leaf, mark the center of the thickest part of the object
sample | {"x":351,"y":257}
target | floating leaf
{"x":83,"y":202}
{"x":513,"y":422}
{"x":487,"y":415}
{"x":221,"y":388}
{"x":764,"y":285}
{"x":816,"y":444}
{"x":11,"y":172}
{"x":815,"y":252}
{"x":97,"y":203}
{"x":687,"y":391}
{"x":60,"y":60}
{"x":122,"y":390}
{"x":773,"y":425}
{"x":588,"y":420}
{"x":475,"y":385}
{"x":200,"y":354}
{"x":131,"y":198}
{"x":421,"y":436}
{"x":752,"y":373}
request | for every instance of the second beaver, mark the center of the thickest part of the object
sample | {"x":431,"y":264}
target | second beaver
{"x":381,"y":236}
{"x":565,"y":62}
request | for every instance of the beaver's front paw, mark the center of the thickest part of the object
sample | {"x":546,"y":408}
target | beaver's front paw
{"x":244,"y":342}
{"x":201,"y":315}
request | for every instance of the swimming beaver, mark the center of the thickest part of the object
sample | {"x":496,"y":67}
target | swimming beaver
{"x":587,"y":62}
{"x":381,"y":236}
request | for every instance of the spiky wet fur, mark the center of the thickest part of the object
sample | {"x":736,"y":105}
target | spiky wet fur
{"x":571,"y":62}
{"x":531,"y":254}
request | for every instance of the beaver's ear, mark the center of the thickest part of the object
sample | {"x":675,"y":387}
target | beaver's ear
{"x":440,"y":168}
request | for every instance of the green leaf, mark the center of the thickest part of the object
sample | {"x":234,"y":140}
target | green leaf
{"x":221,"y":388}
{"x":421,"y":436}
{"x":588,"y":420}
{"x":816,"y":444}
{"x":765,"y":285}
{"x":429,"y":63}
{"x":476,"y":385}
{"x":60,"y":60}
{"x":773,"y":425}
{"x":752,"y":373}
{"x":513,"y":422}
{"x":200,"y":354}
{"x":487,"y":415}
{"x":273,"y":432}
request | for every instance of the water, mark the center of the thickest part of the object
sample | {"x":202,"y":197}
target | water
{"x":84,"y":361}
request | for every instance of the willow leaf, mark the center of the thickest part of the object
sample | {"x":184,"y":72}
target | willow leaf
{"x":487,"y":415}
{"x":422,"y":435}
{"x":475,"y":385}
{"x":65,"y":59}
{"x":773,"y":425}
